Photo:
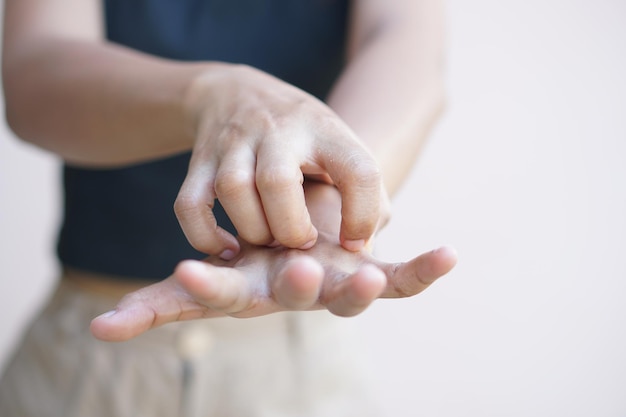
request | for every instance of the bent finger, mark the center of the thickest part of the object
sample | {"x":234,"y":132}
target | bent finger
{"x":358,"y":178}
{"x":279,"y":182}
{"x":236,"y":190}
{"x":194,"y":210}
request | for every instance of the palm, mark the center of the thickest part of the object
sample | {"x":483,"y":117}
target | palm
{"x":262,"y":280}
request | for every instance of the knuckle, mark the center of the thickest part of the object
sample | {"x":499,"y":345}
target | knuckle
{"x":133,"y":299}
{"x":302,"y":107}
{"x":367,"y":174}
{"x":402,"y":290}
{"x":233,"y":129}
{"x":331,"y":125}
{"x":278,"y":178}
{"x":265,"y":121}
{"x":407,"y":285}
{"x":361,"y":170}
{"x":186,"y":203}
{"x":190,"y":215}
{"x":232,"y":182}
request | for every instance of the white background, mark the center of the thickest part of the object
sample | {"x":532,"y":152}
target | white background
{"x":525,"y":175}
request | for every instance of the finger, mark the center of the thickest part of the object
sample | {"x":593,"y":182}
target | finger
{"x":194,"y":210}
{"x":410,"y":278}
{"x":354,"y":294}
{"x":147,"y":308}
{"x":236,"y":189}
{"x":357,"y":176}
{"x":279,"y":182}
{"x":223,"y":289}
{"x":297,"y":286}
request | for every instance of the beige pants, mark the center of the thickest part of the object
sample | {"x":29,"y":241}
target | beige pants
{"x":289,"y":364}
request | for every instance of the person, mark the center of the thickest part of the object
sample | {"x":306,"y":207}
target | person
{"x":278,"y":130}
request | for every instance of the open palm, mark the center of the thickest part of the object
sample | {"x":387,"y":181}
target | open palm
{"x":263,"y":280}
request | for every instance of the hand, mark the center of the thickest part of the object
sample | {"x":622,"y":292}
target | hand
{"x":257,"y":137}
{"x":264,"y":280}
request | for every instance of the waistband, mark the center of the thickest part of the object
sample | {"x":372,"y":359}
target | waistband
{"x":102,"y":284}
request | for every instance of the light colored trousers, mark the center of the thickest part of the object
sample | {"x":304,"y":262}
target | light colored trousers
{"x":287,"y":364}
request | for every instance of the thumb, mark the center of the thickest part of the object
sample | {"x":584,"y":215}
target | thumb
{"x":410,"y":278}
{"x":145,"y":309}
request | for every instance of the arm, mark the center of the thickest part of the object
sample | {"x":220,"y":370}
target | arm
{"x":392,"y":119}
{"x":252,"y":136}
{"x":91,"y":102}
{"x":392,"y":90}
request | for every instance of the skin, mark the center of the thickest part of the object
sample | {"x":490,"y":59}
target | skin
{"x":95,"y":104}
{"x":269,"y":136}
{"x":263,"y":280}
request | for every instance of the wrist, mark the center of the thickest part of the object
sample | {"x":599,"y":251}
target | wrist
{"x":199,"y":96}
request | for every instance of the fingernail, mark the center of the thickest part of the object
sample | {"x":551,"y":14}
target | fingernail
{"x":107,"y":314}
{"x":354,"y":245}
{"x":228,"y":254}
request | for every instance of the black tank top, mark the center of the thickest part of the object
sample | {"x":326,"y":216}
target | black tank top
{"x":121,"y":221}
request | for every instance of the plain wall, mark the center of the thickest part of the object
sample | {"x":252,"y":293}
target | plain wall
{"x":525,"y":175}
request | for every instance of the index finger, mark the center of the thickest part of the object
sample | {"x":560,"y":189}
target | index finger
{"x":194,"y":210}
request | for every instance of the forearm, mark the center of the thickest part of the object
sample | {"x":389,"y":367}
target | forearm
{"x":392,"y":91}
{"x":96,"y":103}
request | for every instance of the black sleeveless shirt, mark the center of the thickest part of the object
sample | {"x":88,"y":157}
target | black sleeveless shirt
{"x":121,"y":221}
